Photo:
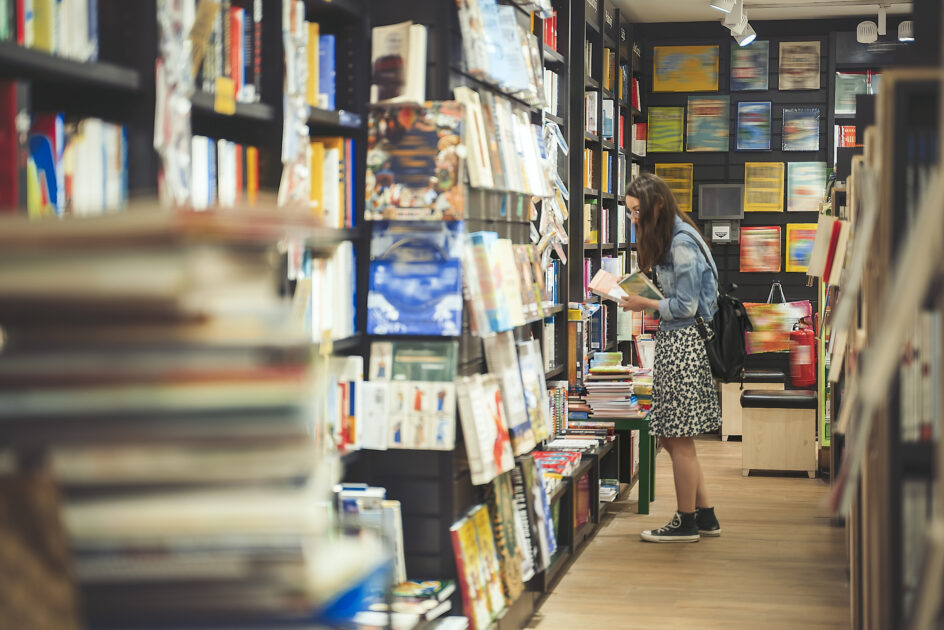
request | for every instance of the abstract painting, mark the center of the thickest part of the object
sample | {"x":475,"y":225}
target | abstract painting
{"x":750,"y":66}
{"x":800,"y":129}
{"x":799,"y":65}
{"x":763,"y":187}
{"x":806,"y":184}
{"x":800,"y":239}
{"x":685,"y":69}
{"x":760,"y":249}
{"x":679,"y":178}
{"x":665,"y":129}
{"x":708,"y":122}
{"x":848,"y":84}
{"x":753,"y":126}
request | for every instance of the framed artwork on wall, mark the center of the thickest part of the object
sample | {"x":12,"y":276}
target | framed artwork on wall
{"x":763,"y":186}
{"x":750,"y":66}
{"x":665,"y":130}
{"x":753,"y":126}
{"x":801,"y":129}
{"x":685,"y":69}
{"x":806,"y":185}
{"x":679,"y":179}
{"x":799,"y":65}
{"x":708,"y":123}
{"x":760,"y":249}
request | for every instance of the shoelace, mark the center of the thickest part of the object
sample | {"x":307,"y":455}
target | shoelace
{"x":674,"y":524}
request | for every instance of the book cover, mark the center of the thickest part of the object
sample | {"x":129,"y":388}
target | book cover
{"x":469,"y":570}
{"x":500,"y":499}
{"x":487,"y":443}
{"x":502,"y":361}
{"x":313,"y":55}
{"x":534,"y":388}
{"x":326,"y":71}
{"x":414,"y":165}
{"x":491,"y":566}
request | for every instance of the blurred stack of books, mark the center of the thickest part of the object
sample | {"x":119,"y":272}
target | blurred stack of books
{"x":642,"y":388}
{"x":155,"y":359}
{"x":609,"y":387}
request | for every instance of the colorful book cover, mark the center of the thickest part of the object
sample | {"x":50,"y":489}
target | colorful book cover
{"x":534,"y":387}
{"x":799,"y":65}
{"x":326,"y":71}
{"x":708,"y":122}
{"x":500,"y":498}
{"x":540,"y":509}
{"x":414,"y":164}
{"x":487,"y":443}
{"x":491,"y":281}
{"x":502,"y":361}
{"x":469,"y":569}
{"x":665,"y":130}
{"x":760,"y":249}
{"x":490,"y":564}
{"x":750,"y":66}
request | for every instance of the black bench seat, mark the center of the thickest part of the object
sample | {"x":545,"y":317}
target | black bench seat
{"x":778,"y":399}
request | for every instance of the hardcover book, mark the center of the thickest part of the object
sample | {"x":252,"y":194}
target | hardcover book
{"x":502,"y":360}
{"x":415,"y":169}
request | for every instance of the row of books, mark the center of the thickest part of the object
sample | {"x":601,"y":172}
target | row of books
{"x":175,"y":319}
{"x":224,"y":173}
{"x":497,"y":50}
{"x":506,"y":412}
{"x":51,"y":167}
{"x":504,"y":283}
{"x":503,"y":543}
{"x":234,"y":50}
{"x":324,"y":292}
{"x":332,"y":181}
{"x":610,"y":77}
{"x":320,"y":84}
{"x":639,"y":139}
{"x":68,"y":28}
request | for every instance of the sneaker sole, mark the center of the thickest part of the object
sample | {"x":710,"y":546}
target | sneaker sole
{"x":670,"y":539}
{"x":710,"y":532}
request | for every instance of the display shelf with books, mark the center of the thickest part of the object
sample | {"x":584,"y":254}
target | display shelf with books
{"x":39,"y":66}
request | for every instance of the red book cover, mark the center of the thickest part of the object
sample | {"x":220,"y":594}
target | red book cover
{"x":621,"y":134}
{"x":636,"y":93}
{"x":257,"y":47}
{"x":831,"y":253}
{"x":20,"y":23}
{"x":14,"y":98}
{"x":235,"y":48}
{"x":848,"y":136}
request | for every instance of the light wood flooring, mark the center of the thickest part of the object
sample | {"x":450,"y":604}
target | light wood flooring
{"x":779,"y":564}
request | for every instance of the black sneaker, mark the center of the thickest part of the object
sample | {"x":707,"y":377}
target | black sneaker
{"x":707,"y":522}
{"x":681,"y":528}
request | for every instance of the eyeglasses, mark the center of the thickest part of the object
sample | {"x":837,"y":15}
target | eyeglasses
{"x":633,"y":213}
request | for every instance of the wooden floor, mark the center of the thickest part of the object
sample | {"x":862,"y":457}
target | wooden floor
{"x":778,"y":565}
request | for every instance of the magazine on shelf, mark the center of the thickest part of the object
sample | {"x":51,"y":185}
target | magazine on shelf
{"x":612,"y":287}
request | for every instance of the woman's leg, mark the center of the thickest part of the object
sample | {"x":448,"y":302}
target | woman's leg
{"x":701,"y":495}
{"x":686,"y":471}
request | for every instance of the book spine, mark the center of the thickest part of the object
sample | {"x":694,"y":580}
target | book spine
{"x":326,"y":71}
{"x":257,"y":47}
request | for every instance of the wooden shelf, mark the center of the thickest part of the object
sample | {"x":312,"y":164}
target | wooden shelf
{"x":494,"y":88}
{"x":350,"y":9}
{"x":565,"y":481}
{"x":554,"y":373}
{"x":636,"y":113}
{"x":27,"y":63}
{"x":591,"y":137}
{"x":552,"y":310}
{"x":609,"y":246}
{"x":607,"y":94}
{"x":608,"y":145}
{"x":590,"y":192}
{"x":588,"y":247}
{"x":249,"y":112}
{"x":637,"y":158}
{"x":556,"y":119}
{"x":609,"y":196}
{"x":591,"y":84}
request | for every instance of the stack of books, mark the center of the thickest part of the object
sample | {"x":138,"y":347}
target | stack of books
{"x":151,"y":355}
{"x":642,"y":388}
{"x":609,"y":386}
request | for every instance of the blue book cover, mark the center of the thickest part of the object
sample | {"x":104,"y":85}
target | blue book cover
{"x":211,"y":172}
{"x":326,"y":71}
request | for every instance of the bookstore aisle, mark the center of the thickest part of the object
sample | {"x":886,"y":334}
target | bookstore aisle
{"x":778,"y":565}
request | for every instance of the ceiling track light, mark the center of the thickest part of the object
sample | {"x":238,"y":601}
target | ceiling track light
{"x":732,"y":17}
{"x":724,"y":6}
{"x":906,"y":31}
{"x":741,"y":26}
{"x":746,"y":37}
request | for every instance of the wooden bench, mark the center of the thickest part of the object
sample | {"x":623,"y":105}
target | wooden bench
{"x":731,"y":397}
{"x":779,"y":430}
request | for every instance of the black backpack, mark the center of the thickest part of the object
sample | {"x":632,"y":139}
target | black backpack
{"x":724,"y":334}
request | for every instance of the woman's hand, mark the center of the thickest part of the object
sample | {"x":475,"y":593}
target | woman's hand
{"x":638,"y":303}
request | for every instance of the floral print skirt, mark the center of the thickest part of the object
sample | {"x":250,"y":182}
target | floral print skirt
{"x":684,"y":395}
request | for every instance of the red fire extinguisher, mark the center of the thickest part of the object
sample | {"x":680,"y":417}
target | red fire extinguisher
{"x":803,"y":354}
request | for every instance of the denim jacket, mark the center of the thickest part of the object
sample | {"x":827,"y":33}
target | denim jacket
{"x":687,"y":281}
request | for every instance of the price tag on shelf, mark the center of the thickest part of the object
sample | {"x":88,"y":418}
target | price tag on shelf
{"x":225,"y":101}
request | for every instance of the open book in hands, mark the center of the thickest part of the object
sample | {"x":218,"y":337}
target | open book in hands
{"x":612,"y":287}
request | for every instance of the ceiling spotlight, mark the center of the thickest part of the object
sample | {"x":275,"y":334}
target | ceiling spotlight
{"x":867,"y":32}
{"x":739,"y":28}
{"x":906,"y":31}
{"x":724,"y":6}
{"x":733,"y":16}
{"x":746,"y":37}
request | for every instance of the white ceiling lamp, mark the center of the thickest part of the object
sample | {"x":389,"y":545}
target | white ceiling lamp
{"x":746,"y":37}
{"x":868,"y":32}
{"x":733,"y":17}
{"x":739,"y":29}
{"x":906,"y":31}
{"x":724,"y":6}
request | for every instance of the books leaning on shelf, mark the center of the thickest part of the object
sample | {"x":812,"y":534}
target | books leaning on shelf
{"x":477,"y":566}
{"x":612,"y":287}
{"x":332,"y":181}
{"x":398,"y":63}
{"x":410,"y":399}
{"x":67,"y":28}
{"x":224,"y":173}
{"x":234,"y":50}
{"x":53,"y":168}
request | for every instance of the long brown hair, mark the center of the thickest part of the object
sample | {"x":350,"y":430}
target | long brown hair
{"x":656,"y":221}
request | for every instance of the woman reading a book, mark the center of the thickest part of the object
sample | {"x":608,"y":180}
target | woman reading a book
{"x":684,"y":397}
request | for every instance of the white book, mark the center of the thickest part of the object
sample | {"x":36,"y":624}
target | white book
{"x":510,"y":281}
{"x":476,"y":139}
{"x":373,"y":409}
{"x":331,"y":193}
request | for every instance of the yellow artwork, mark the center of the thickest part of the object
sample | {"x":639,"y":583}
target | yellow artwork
{"x":679,"y":179}
{"x":685,"y":69}
{"x":763,"y":186}
{"x":800,"y":239}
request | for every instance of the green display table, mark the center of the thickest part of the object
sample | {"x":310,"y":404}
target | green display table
{"x":647,"y":456}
